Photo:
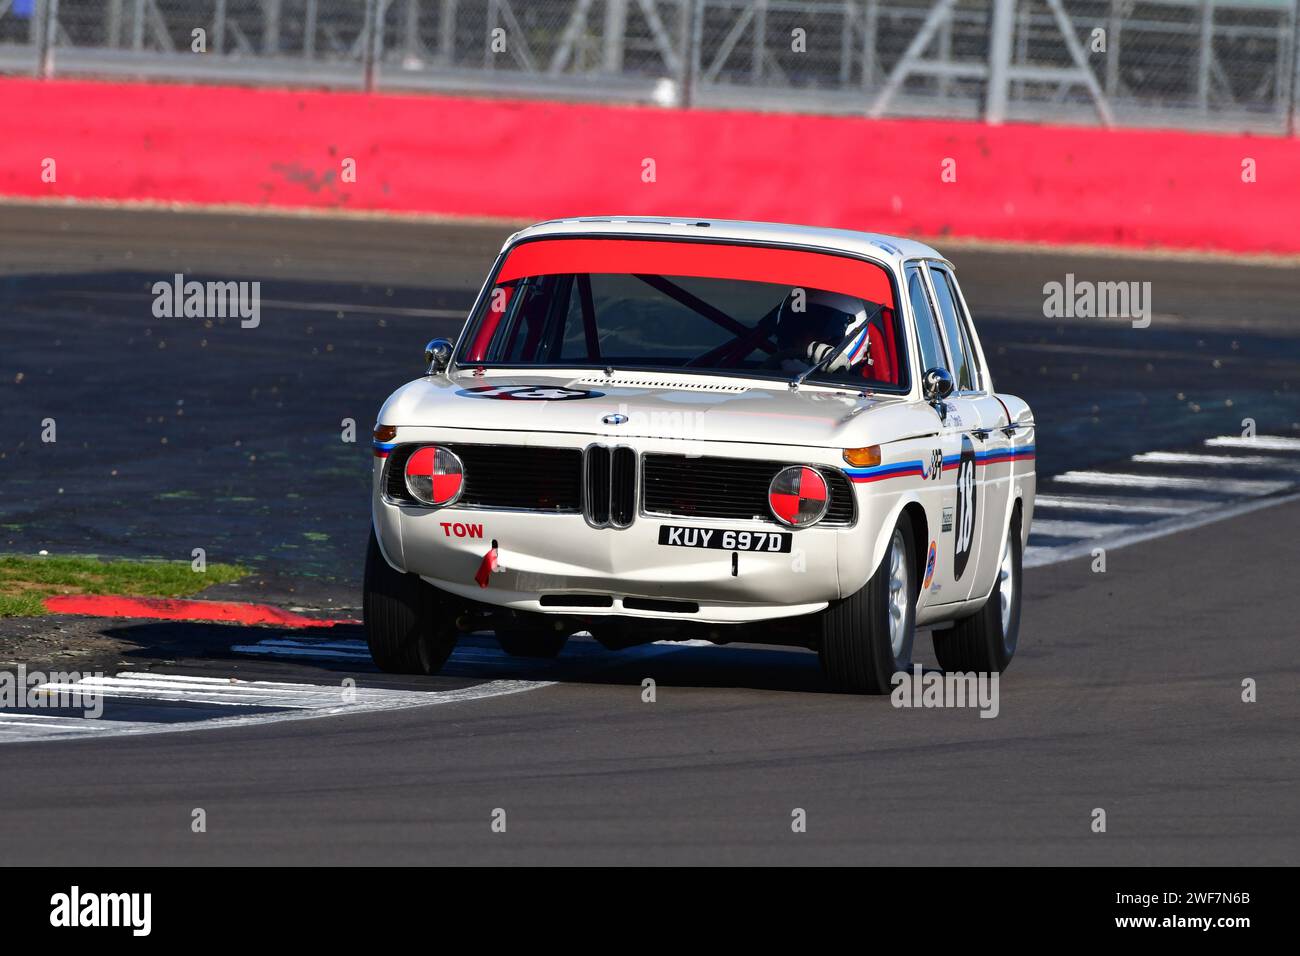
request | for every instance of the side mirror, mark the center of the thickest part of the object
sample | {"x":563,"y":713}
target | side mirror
{"x":437,"y":355}
{"x":936,"y":384}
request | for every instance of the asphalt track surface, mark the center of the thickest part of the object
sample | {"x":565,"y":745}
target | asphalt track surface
{"x":1125,"y":694}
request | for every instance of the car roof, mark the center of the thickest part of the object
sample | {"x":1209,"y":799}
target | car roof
{"x":870,"y":244}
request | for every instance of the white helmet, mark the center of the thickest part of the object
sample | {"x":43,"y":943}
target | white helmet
{"x":812,"y":323}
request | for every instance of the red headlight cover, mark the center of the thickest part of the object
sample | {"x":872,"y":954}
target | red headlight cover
{"x":435,"y":475}
{"x":798,"y":496}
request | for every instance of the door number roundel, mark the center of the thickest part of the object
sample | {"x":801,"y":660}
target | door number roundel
{"x":964,"y":526}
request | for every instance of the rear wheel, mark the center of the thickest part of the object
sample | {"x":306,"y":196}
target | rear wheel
{"x":410,"y":625}
{"x":523,"y":642}
{"x":986,"y":641}
{"x":867,"y":637}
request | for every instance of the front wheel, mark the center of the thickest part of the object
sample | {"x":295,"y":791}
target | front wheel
{"x":985,"y":642}
{"x":409,"y":627}
{"x":867,"y":637}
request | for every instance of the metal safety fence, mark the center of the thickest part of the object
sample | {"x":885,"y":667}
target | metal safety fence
{"x":1203,"y":64}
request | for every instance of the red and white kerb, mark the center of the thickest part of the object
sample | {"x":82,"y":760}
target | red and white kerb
{"x":798,"y":496}
{"x":435,"y":475}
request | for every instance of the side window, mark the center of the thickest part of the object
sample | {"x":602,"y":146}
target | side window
{"x":926,"y":328}
{"x":965,"y":375}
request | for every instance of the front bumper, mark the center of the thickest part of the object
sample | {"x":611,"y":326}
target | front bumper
{"x":545,"y":560}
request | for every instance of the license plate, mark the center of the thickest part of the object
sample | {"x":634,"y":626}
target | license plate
{"x":774,"y":542}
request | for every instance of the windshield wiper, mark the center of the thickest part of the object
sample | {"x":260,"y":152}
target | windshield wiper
{"x":798,"y":379}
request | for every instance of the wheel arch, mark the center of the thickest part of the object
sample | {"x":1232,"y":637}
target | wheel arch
{"x":920,"y":538}
{"x":915,"y":510}
{"x":387,"y":529}
{"x":1015,"y":520}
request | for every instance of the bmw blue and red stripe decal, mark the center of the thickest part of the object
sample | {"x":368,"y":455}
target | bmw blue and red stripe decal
{"x":993,"y":457}
{"x":901,"y":469}
{"x":917,"y":469}
{"x":382,"y":448}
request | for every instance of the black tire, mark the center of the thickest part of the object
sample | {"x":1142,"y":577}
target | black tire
{"x":523,"y":642}
{"x":977,"y":644}
{"x":856,"y":652}
{"x":410,"y":626}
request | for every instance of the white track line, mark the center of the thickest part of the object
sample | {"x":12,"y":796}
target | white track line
{"x":1193,"y":458}
{"x":1076,"y":529}
{"x":1259,"y":442}
{"x":1137,"y":506}
{"x":300,"y":702}
{"x":1037,"y":557}
{"x":295,"y":701}
{"x":1213,"y":496}
{"x":1231,"y":486}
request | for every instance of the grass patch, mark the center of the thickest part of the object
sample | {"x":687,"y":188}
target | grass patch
{"x":26,"y":581}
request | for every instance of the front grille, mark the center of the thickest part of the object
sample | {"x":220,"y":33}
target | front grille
{"x":622,"y":488}
{"x":609,"y":486}
{"x":512,"y":477}
{"x":733,"y":488}
{"x":596,"y":504}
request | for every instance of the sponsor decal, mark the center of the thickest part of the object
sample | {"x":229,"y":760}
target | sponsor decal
{"x":457,"y":529}
{"x":947,"y":518}
{"x":929,"y":563}
{"x":932,"y":469}
{"x":790,"y":267}
{"x":966,"y":508}
{"x":532,"y":393}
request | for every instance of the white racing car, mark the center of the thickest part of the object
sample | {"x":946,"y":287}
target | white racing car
{"x":665,"y":429}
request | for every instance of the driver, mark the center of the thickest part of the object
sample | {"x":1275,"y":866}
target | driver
{"x":810,"y":324}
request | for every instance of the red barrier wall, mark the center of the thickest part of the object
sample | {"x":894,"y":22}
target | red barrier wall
{"x":537,"y":160}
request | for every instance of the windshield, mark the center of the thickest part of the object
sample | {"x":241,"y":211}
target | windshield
{"x":707,"y":307}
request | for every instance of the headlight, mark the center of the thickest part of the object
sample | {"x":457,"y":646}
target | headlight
{"x":798,"y":496}
{"x":435,"y":476}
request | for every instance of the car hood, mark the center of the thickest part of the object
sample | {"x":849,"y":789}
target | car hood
{"x":685,"y":407}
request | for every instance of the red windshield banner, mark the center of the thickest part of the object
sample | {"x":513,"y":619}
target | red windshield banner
{"x":713,"y":260}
